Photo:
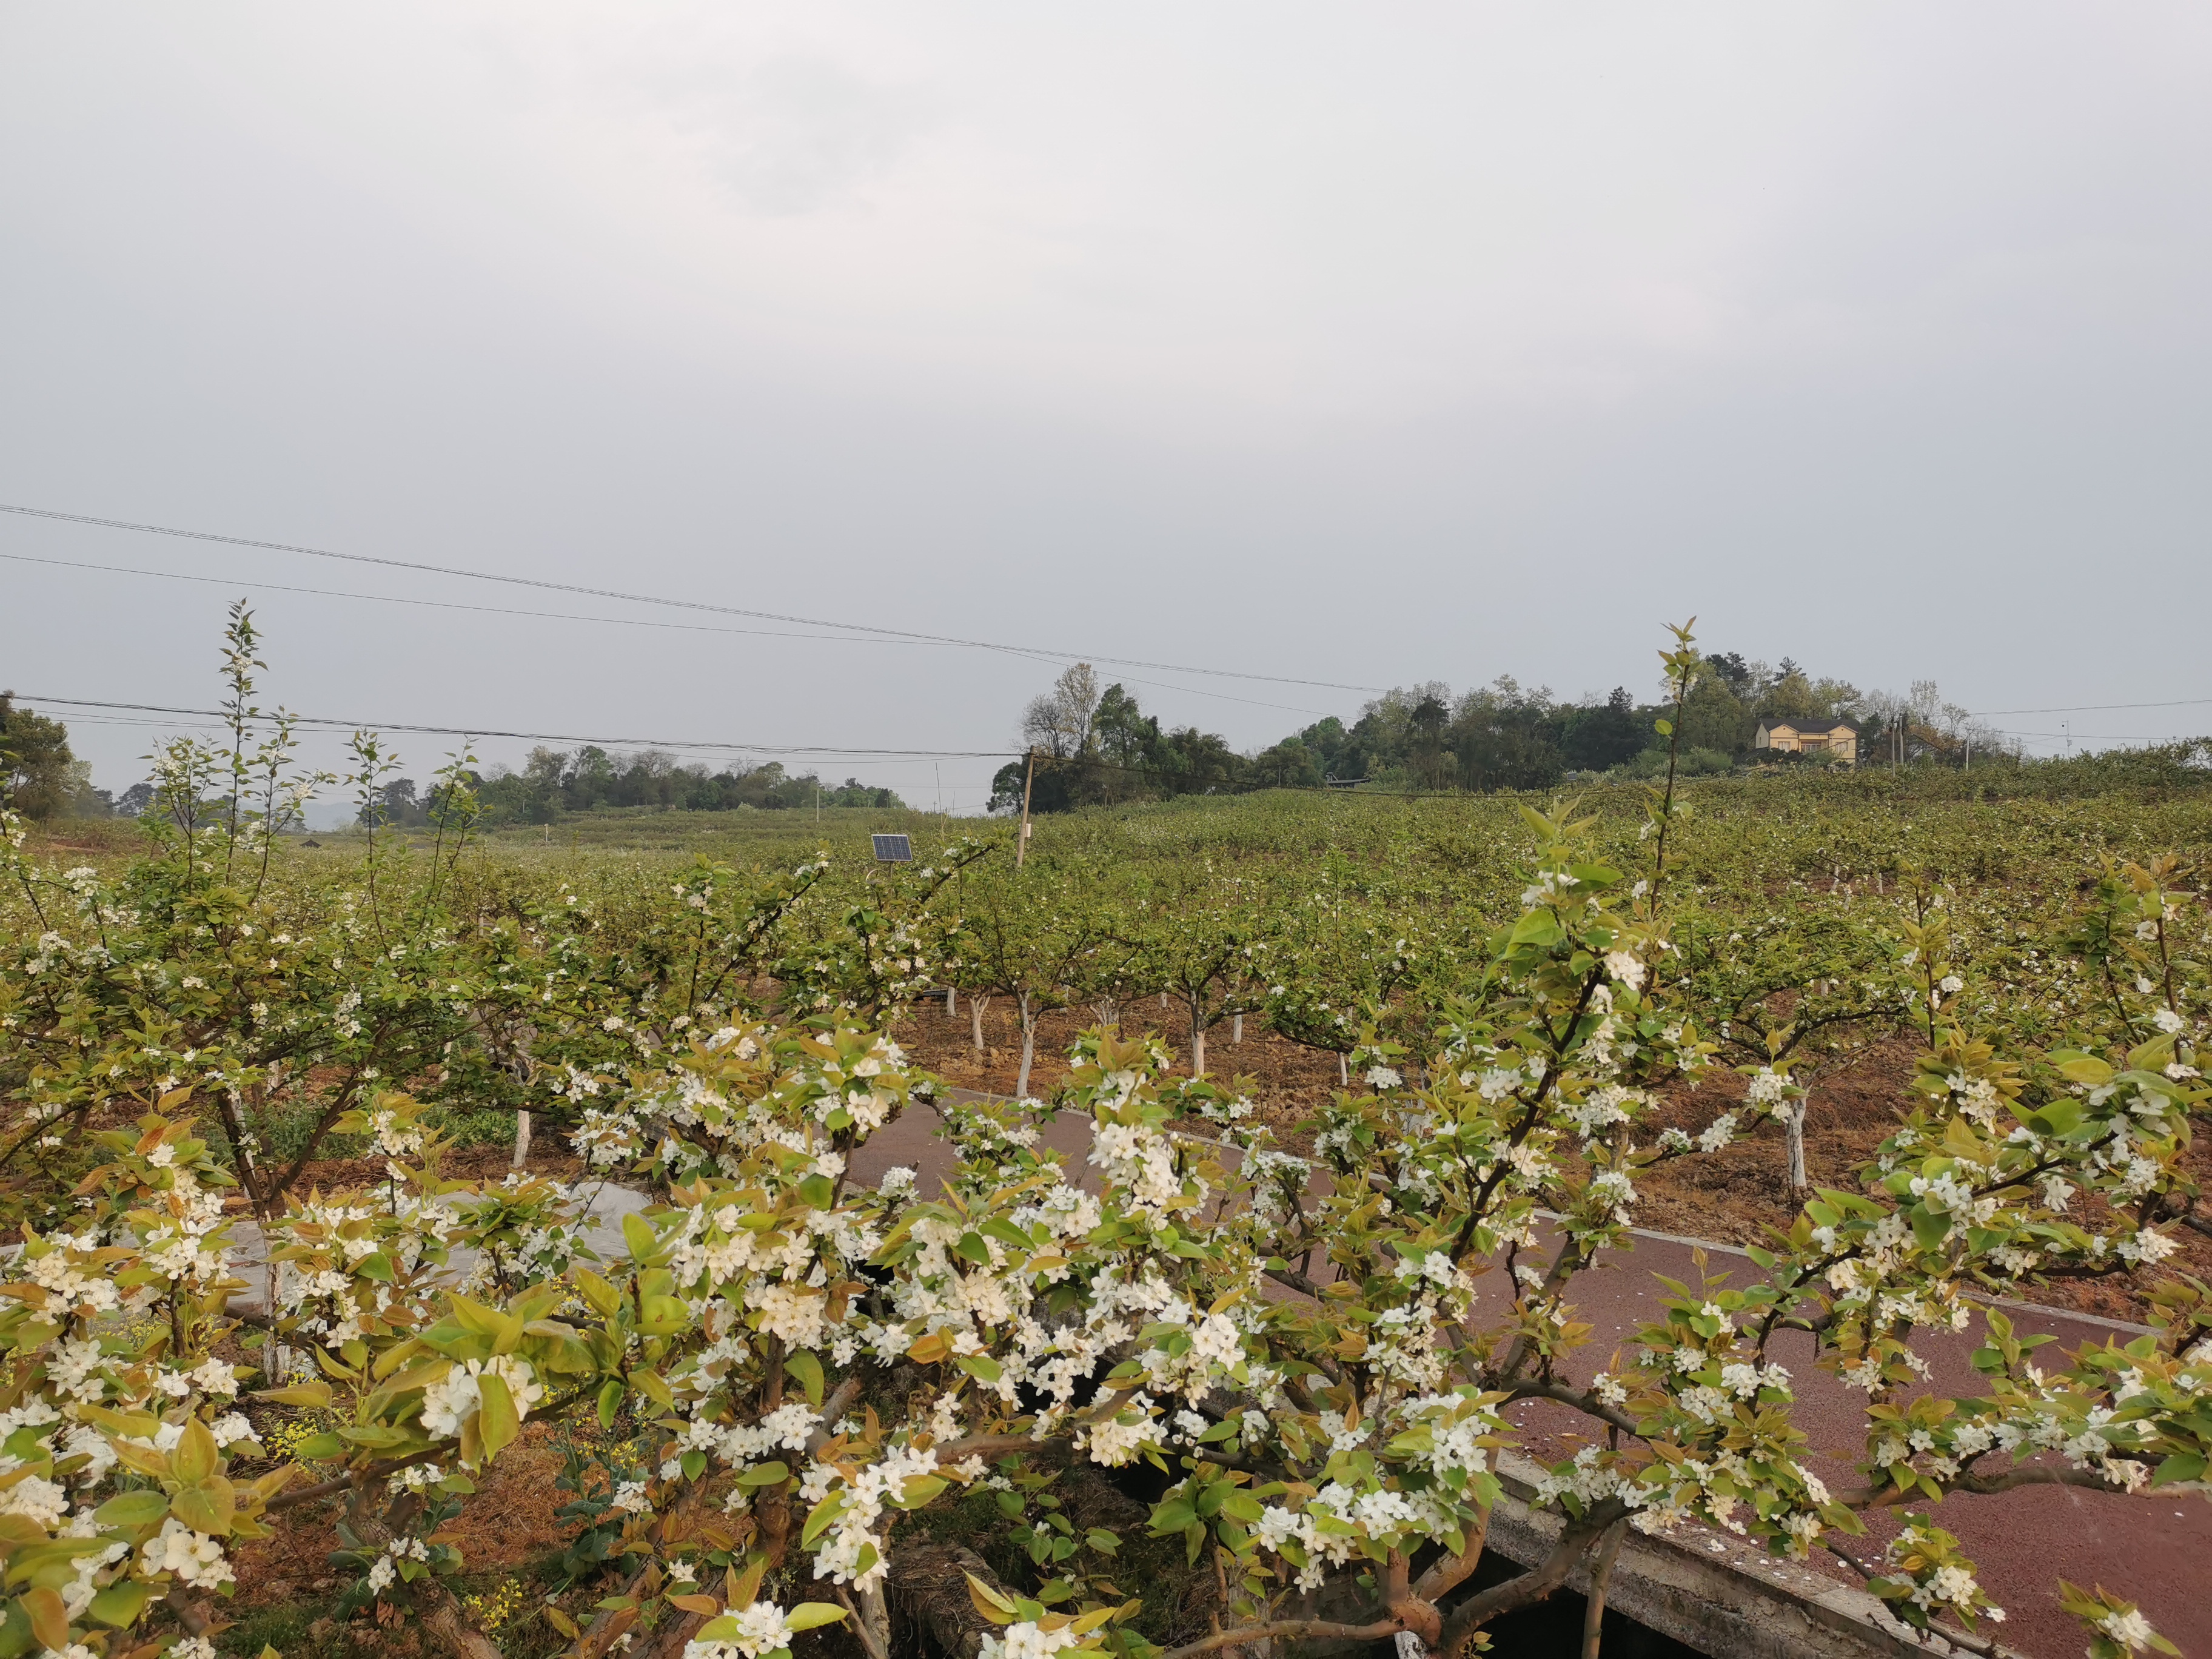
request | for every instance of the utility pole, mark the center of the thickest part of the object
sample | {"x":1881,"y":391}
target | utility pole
{"x":1029,"y":781}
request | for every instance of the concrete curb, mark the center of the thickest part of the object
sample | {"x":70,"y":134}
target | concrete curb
{"x":1717,"y":1596}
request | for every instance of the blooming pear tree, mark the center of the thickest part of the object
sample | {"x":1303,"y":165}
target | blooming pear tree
{"x":1316,"y":1361}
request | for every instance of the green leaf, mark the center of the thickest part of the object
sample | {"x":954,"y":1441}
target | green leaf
{"x":497,"y":1423}
{"x":820,"y":1515}
{"x":206,"y":1507}
{"x":2078,"y":1067}
{"x":637,"y":1233}
{"x":919,"y":1489}
{"x":2181,"y":1466}
{"x":981,"y":1366}
{"x":610,"y":1399}
{"x":1930,"y":1227}
{"x":809,"y":1615}
{"x":315,"y":1395}
{"x":121,"y":1603}
{"x":817,"y":1190}
{"x":133,"y":1508}
{"x":764,"y":1475}
{"x":196,"y":1454}
{"x":808,"y":1370}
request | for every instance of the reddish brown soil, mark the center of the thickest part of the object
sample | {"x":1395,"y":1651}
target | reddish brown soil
{"x":549,"y":1155}
{"x":506,"y":1526}
{"x":1731,"y":1197}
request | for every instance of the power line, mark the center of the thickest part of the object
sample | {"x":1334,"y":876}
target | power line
{"x":2089,"y":708}
{"x":540,"y":737}
{"x":614,"y":622}
{"x":650,"y":599}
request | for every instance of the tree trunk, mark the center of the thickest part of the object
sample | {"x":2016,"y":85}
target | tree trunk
{"x":928,"y":1587}
{"x":521,"y":1139}
{"x":1793,"y":1134}
{"x":1029,"y":1045}
{"x":951,"y":1003}
{"x":1343,"y":1070}
{"x":1197,"y":1040}
{"x":1236,"y":1031}
{"x":975,"y":1006}
{"x":1601,"y":1577}
{"x":875,"y":1630}
{"x":1107,"y":1010}
{"x":445,"y":1622}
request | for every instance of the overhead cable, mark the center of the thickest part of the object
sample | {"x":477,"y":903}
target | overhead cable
{"x":653,"y":598}
{"x":533,"y":737}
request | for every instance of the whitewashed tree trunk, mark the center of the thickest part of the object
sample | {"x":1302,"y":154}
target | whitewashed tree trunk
{"x":951,"y":1003}
{"x":975,"y":1006}
{"x":1029,"y":1045}
{"x":1107,"y":1010}
{"x":1343,"y":1070}
{"x":521,"y":1139}
{"x":1236,"y":1031}
{"x":1197,"y":1040}
{"x":1793,"y":1132}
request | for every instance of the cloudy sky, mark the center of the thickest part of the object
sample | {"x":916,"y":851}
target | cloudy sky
{"x":1354,"y":344}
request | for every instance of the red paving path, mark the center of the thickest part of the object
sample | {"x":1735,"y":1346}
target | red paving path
{"x":2157,"y":1550}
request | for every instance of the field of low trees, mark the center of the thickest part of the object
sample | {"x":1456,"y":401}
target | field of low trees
{"x":309,"y":1343}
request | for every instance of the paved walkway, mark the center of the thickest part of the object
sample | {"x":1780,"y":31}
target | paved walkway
{"x":2158,"y":1550}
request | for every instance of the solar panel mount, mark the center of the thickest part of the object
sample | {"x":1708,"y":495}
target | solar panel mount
{"x":893,"y":849}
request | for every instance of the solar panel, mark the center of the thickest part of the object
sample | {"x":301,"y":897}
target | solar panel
{"x":893,"y":849}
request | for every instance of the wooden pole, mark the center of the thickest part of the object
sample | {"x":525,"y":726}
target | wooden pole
{"x":1028,"y":782}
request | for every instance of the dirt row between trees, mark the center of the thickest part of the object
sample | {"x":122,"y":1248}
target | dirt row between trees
{"x":1732,"y":1196}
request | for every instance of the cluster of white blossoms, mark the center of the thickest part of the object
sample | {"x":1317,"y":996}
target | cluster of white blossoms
{"x":1768,"y":1091}
{"x":761,"y":1628}
{"x":1028,"y":1640}
{"x":195,"y":1558}
{"x":851,"y":1552}
{"x":1138,"y":1158}
{"x":740,"y":1444}
{"x":384,"y":1571}
{"x":457,"y":1395}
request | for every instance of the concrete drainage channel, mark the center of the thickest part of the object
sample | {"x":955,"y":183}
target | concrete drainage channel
{"x":1697,"y":1593}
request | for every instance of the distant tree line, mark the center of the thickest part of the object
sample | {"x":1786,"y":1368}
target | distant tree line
{"x":552,"y":782}
{"x":1095,"y":747}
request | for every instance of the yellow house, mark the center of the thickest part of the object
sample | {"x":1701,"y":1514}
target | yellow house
{"x":1832,"y":739}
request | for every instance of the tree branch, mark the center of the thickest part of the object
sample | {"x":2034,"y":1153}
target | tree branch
{"x":1292,"y":1630}
{"x":1575,"y":1540}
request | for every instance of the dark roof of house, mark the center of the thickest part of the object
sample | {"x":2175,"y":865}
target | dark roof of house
{"x":1806,"y":723}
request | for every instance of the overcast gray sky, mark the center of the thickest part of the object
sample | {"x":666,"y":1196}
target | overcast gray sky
{"x":1362,"y":343}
